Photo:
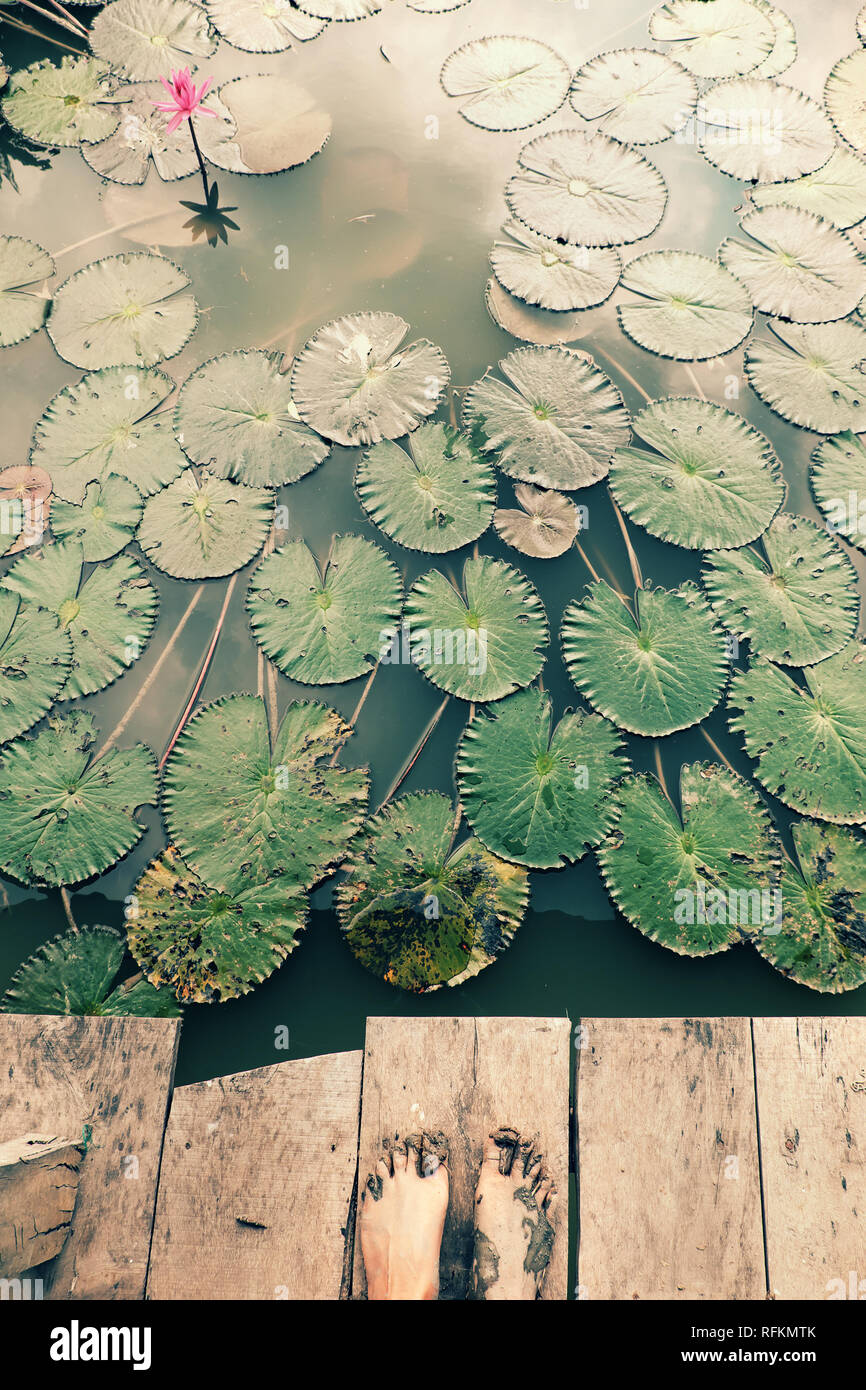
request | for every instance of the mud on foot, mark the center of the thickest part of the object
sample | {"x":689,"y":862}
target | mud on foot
{"x":514,"y":1219}
{"x":403,"y":1207}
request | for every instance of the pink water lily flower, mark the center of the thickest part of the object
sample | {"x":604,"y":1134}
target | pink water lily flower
{"x":184,"y":98}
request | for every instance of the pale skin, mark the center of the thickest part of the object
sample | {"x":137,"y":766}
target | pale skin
{"x":403,"y":1209}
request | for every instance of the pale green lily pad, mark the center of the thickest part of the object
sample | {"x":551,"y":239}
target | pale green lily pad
{"x":691,"y":308}
{"x":534,"y":794}
{"x":262,"y":26}
{"x":721,"y":39}
{"x":435,"y":495}
{"x":796,"y":266}
{"x":236,"y":418}
{"x":104,"y":522}
{"x":753,"y":128}
{"x":207,"y":947}
{"x":634,"y":94}
{"x":355,"y":383}
{"x":340,"y":10}
{"x":107,"y":423}
{"x":483,"y":642}
{"x":62,"y":105}
{"x":836,"y":191}
{"x":73,"y":974}
{"x":838,"y":478}
{"x":152,"y":38}
{"x":797,"y":606}
{"x":697,"y":882}
{"x":63,"y":817}
{"x":126,"y":308}
{"x":861,"y":25}
{"x":506,"y":83}
{"x":265,"y":125}
{"x":35,"y":657}
{"x":557,"y":425}
{"x":109,"y":616}
{"x":142,"y":139}
{"x":528,"y":323}
{"x":242,"y":809}
{"x":204,"y":528}
{"x":843,"y":98}
{"x":554,"y":276}
{"x":784,"y":51}
{"x":664,"y":672}
{"x":822,"y":941}
{"x":23,"y":266}
{"x":812,"y":374}
{"x":809,"y":740}
{"x":418,"y":912}
{"x":435,"y":6}
{"x":322,"y":624}
{"x":711,"y":481}
{"x":544,"y":527}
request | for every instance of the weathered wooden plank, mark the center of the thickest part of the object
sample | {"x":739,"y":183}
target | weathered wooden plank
{"x":257,"y":1178}
{"x":811,"y":1079}
{"x":467,"y":1077}
{"x":38,"y":1183}
{"x":667,"y":1160}
{"x":106,"y":1080}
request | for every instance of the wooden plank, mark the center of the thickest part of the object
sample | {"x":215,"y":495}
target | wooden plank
{"x":667,"y":1160}
{"x":467,"y":1077}
{"x":108,"y":1078}
{"x":38,"y":1183}
{"x":257,"y":1181}
{"x":811,"y":1075}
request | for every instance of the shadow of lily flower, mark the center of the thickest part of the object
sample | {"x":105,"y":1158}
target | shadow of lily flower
{"x":209,"y":219}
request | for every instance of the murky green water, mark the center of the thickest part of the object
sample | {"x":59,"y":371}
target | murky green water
{"x":389,"y":218}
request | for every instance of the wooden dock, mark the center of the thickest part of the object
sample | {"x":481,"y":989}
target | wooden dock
{"x":720,"y":1158}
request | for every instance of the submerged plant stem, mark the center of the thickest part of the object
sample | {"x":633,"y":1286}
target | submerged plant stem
{"x":632,"y":554}
{"x":67,"y":907}
{"x":46,"y":38}
{"x":353,"y":718}
{"x":203,"y":672}
{"x":415,"y":754}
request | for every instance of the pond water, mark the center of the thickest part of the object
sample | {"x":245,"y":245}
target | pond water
{"x":389,"y":218}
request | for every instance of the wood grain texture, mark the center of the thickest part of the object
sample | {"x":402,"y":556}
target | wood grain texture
{"x":38,"y":1184}
{"x":113,"y":1075}
{"x":467,"y":1077}
{"x":665,"y":1112}
{"x":812,"y":1113}
{"x":257,"y":1180}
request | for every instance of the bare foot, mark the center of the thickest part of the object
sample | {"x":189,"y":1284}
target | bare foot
{"x":402,"y":1214}
{"x":514,"y":1213}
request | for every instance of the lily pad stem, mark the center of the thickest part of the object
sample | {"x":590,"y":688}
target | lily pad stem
{"x":415,"y":754}
{"x":203,"y":672}
{"x":199,"y":157}
{"x":67,"y":907}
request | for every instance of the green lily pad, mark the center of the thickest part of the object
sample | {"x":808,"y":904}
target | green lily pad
{"x":541,"y":327}
{"x":809,"y":741}
{"x":799,"y":605}
{"x":262,"y":26}
{"x":109,"y":615}
{"x":838,"y":478}
{"x":557,"y":425}
{"x":204,"y":528}
{"x":861,"y":25}
{"x":533,"y":794}
{"x":722,"y":39}
{"x":662,"y":672}
{"x":836,"y":191}
{"x":104,"y":522}
{"x":23,"y":266}
{"x":506,"y":83}
{"x":635,"y":95}
{"x":265,"y":125}
{"x":63,"y":817}
{"x":125,"y":308}
{"x":436,"y":495}
{"x":843,"y":98}
{"x":691,"y":308}
{"x":35,"y":657}
{"x":323,"y":624}
{"x":241,"y":810}
{"x":545,"y":272}
{"x":235,"y":416}
{"x":822,"y":938}
{"x":73,"y":974}
{"x":205,"y":946}
{"x":142,"y":139}
{"x":484,"y":642}
{"x":784,"y":51}
{"x":340,"y":10}
{"x":586,"y":189}
{"x":419,"y":913}
{"x":753,"y":128}
{"x":711,"y":481}
{"x":107,"y":423}
{"x":812,"y":374}
{"x":151,"y":38}
{"x":544,"y":527}
{"x":700,"y":883}
{"x":354,"y":383}
{"x":62,"y":105}
{"x":797,"y":266}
